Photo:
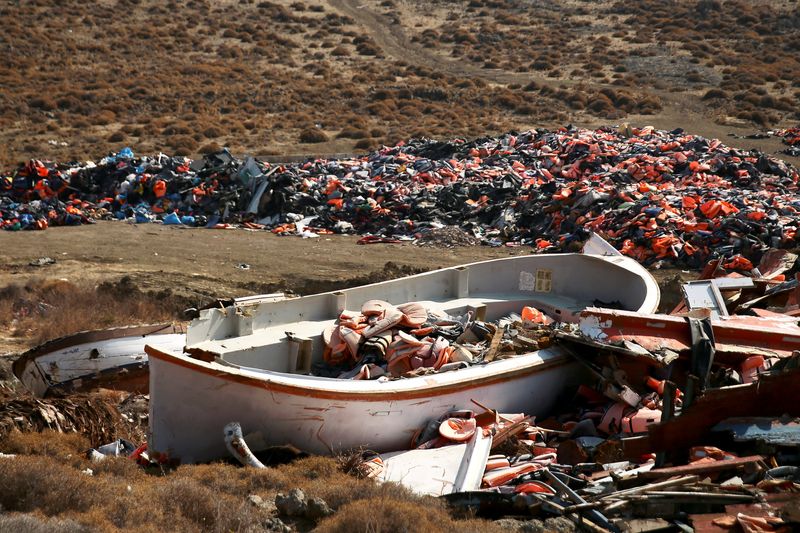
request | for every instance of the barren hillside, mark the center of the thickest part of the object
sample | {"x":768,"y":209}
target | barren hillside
{"x":324,"y":76}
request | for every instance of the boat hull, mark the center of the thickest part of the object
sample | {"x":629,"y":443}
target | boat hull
{"x":113,"y":358}
{"x":250,"y":363}
{"x":330,"y":415}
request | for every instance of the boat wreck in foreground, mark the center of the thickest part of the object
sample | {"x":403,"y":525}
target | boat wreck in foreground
{"x":250,"y":362}
{"x":113,"y":358}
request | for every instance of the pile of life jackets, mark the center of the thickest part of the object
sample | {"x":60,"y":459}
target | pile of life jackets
{"x":385,"y":341}
{"x":662,"y":197}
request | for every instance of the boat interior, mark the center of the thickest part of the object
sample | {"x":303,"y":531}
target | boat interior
{"x":286,"y":336}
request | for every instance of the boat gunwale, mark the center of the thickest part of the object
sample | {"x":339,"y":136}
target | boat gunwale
{"x":262,"y":380}
{"x":618,"y":261}
{"x":425,"y":390}
{"x":649,"y":303}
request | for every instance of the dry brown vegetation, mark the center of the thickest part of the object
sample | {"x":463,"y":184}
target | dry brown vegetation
{"x":269,"y":77}
{"x":46,"y":481}
{"x":401,"y":515}
{"x":251,"y":76}
{"x":746,"y":52}
{"x":44,"y":309}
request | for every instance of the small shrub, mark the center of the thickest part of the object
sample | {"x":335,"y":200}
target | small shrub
{"x":353,"y":133}
{"x":761,"y":118}
{"x":364,"y":144}
{"x":103,"y":118}
{"x":229,"y":479}
{"x":47,"y":443}
{"x":694,"y":77}
{"x":119,"y":467}
{"x":43,"y":483}
{"x":183,"y":144}
{"x":367,"y":49}
{"x":31,"y":523}
{"x":210,"y":148}
{"x":197,"y":503}
{"x":313,"y":135}
{"x":43,"y":102}
{"x":409,"y":515}
{"x":715,"y":93}
{"x":600,"y":104}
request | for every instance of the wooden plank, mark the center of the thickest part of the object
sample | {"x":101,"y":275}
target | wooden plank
{"x":494,"y":345}
{"x":701,"y":468}
{"x":735,"y":338}
{"x":685,"y":480}
{"x":507,"y":432}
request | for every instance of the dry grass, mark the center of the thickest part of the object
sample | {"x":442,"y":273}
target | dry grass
{"x":646,"y":47}
{"x":35,"y":523}
{"x":312,"y":135}
{"x":47,"y":309}
{"x":45,"y":484}
{"x":201,"y":72}
{"x":46,"y":479}
{"x":387,"y":514}
{"x":120,"y":495}
{"x":255,"y":76}
{"x":52,"y":444}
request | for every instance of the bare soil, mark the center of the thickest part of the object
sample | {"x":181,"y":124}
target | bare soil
{"x":199,"y":265}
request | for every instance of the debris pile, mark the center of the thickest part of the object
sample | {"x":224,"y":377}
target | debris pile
{"x":658,"y":196}
{"x":791,"y":136}
{"x":97,"y":416}
{"x":493,"y":464}
{"x":682,"y":420}
{"x":690,"y":417}
{"x":447,"y":237}
{"x":384,"y":341}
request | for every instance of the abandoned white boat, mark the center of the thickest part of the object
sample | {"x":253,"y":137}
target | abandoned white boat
{"x":113,"y":358}
{"x":250,"y":363}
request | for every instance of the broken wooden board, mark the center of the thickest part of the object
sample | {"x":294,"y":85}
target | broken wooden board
{"x":439,"y":471}
{"x":736,"y":337}
{"x":701,"y":468}
{"x":771,"y":395}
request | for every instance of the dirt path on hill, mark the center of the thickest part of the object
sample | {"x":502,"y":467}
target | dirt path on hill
{"x":679,"y":110}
